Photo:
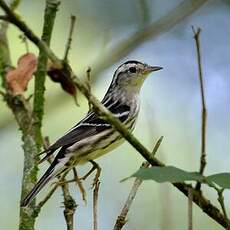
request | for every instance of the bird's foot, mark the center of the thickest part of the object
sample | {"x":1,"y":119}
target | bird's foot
{"x":96,"y":167}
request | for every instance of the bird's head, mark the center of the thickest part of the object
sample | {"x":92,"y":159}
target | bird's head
{"x":131,"y":75}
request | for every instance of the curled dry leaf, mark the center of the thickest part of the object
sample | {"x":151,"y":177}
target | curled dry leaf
{"x":17,"y":79}
{"x":62,"y":76}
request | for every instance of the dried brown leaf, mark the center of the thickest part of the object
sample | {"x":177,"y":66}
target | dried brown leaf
{"x":17,"y":79}
{"x":62,"y":76}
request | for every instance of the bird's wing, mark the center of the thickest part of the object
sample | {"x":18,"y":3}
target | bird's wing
{"x":89,"y":126}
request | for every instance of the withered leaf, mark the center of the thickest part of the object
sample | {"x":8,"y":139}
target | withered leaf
{"x":62,"y":76}
{"x":17,"y":79}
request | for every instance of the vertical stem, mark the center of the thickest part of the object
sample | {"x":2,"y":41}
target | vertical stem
{"x":95,"y":201}
{"x":203,"y":104}
{"x":121,"y":219}
{"x":39,"y":88}
{"x":190,"y":198}
{"x":222,"y":204}
{"x":69,"y":203}
{"x":22,"y":112}
{"x":32,"y":135}
{"x":68,"y":45}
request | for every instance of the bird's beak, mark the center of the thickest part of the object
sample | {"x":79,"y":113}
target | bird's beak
{"x":150,"y":69}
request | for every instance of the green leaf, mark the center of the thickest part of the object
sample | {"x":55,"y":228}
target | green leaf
{"x":167,"y":174}
{"x":221,"y":179}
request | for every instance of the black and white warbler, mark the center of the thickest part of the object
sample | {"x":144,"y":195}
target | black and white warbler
{"x":92,"y":136}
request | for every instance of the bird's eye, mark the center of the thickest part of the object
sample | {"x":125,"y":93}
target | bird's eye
{"x":132,"y":70}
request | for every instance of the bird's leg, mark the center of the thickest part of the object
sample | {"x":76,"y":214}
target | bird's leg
{"x":78,"y":182}
{"x":80,"y":185}
{"x":95,"y":166}
{"x":98,"y":173}
{"x":88,"y":173}
{"x":61,"y":178}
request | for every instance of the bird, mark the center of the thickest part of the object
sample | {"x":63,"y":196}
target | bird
{"x":93,"y":136}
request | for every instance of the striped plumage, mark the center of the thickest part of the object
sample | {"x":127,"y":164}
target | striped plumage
{"x":93,"y":136}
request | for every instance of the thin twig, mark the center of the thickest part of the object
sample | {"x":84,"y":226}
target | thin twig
{"x":203,"y":162}
{"x":68,"y":44}
{"x":40,"y":75}
{"x":198,"y":198}
{"x":222,"y":204}
{"x":121,"y":219}
{"x":220,"y":199}
{"x":24,"y":40}
{"x":88,"y":84}
{"x":157,"y":145}
{"x":70,"y":206}
{"x":95,"y":202}
{"x":190,"y":204}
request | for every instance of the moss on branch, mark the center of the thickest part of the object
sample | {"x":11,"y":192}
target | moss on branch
{"x":22,"y":110}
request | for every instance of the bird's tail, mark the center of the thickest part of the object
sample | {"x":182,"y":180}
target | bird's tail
{"x":57,"y":166}
{"x":49,"y":174}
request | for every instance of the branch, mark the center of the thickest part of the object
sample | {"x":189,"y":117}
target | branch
{"x":21,"y":109}
{"x":204,"y":110}
{"x":40,"y":75}
{"x":95,"y":201}
{"x":222,"y":204}
{"x":190,"y":210}
{"x":220,"y":200}
{"x":68,"y":45}
{"x":70,"y":206}
{"x":88,"y":83}
{"x":121,"y":219}
{"x":36,"y":116}
{"x":198,"y":198}
{"x":24,"y":40}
